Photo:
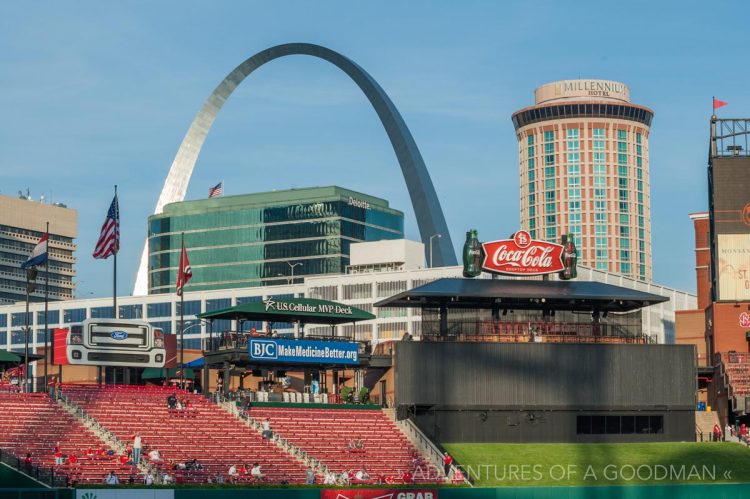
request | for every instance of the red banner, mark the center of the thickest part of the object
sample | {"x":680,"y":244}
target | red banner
{"x":379,"y":494}
{"x":522,"y":256}
{"x":60,"y":337}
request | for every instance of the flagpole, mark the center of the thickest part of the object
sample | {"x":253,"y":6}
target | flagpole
{"x":26,"y":339}
{"x":46,"y":312}
{"x":114,"y":277}
{"x":182,"y":315}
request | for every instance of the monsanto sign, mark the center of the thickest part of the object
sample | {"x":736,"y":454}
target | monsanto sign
{"x":522,"y":256}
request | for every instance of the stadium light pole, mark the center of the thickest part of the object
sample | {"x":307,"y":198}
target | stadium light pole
{"x":291,"y":266}
{"x":431,"y":238}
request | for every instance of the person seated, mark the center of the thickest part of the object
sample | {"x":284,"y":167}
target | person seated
{"x":100,"y":452}
{"x":73,"y":459}
{"x":359,"y":444}
{"x":256,"y":472}
{"x":172,"y":401}
{"x":329,"y":478}
{"x":219,"y":478}
{"x":111,"y":478}
{"x":123,"y":459}
{"x":362,"y":475}
{"x":243,"y":470}
{"x":407,"y":477}
{"x":148,"y":479}
{"x":27,"y":461}
{"x":178,"y":405}
{"x":89,"y":453}
{"x":345,"y":478}
{"x":154,"y":455}
{"x":390,"y":480}
{"x":167,"y":479}
{"x":232,"y":473}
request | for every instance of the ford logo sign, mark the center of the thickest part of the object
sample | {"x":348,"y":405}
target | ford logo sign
{"x":119,"y":335}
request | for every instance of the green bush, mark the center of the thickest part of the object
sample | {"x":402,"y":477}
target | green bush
{"x":347,"y":394}
{"x":364,"y":395}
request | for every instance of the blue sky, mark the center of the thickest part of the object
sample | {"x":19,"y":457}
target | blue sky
{"x":94,"y":94}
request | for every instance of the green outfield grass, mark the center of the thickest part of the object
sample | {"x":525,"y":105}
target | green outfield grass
{"x":492,"y":465}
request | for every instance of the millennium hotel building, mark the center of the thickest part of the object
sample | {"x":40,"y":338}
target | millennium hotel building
{"x":583,"y":149}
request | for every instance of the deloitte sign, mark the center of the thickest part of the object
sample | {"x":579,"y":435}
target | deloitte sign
{"x":304,"y":351}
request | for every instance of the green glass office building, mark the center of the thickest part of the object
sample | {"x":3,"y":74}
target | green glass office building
{"x":265,"y":238}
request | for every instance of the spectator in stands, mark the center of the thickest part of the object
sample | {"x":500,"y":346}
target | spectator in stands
{"x":728,"y":431}
{"x":345,"y":478}
{"x":362,"y":474}
{"x":89,"y":453}
{"x":257,"y":473}
{"x":407,"y":477}
{"x":243,"y":470}
{"x":717,"y":432}
{"x":743,"y":431}
{"x":58,"y":455}
{"x":232,"y":473}
{"x":219,"y":478}
{"x":359,"y":444}
{"x":148,"y":479}
{"x":73,"y":460}
{"x":100,"y":452}
{"x":111,"y":478}
{"x":123,"y":459}
{"x":330,"y":478}
{"x":137,"y":446}
{"x":154,"y":455}
{"x":172,"y":401}
{"x":309,"y":476}
{"x":267,"y":433}
{"x":131,"y":479}
{"x":447,"y":462}
{"x":167,"y":479}
{"x":27,"y":461}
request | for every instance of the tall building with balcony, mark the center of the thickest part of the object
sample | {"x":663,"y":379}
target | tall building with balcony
{"x":584,"y":170}
{"x":22,"y":223}
{"x":267,"y":238}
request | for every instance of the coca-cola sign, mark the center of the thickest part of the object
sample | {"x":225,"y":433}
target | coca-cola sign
{"x":522,"y":256}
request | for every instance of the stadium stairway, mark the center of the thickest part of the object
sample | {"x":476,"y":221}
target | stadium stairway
{"x":324,"y":434}
{"x":704,"y":424}
{"x":34,"y":423}
{"x":204,"y":432}
{"x":284,"y":445}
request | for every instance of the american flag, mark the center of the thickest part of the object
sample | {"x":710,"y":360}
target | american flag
{"x":216,"y":190}
{"x":109,"y":239}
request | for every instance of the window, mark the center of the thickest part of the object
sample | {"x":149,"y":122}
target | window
{"x":325,"y":292}
{"x":549,"y":136}
{"x":19,"y":319}
{"x":131,"y":312}
{"x":212,"y":305}
{"x":390,"y":288}
{"x":53,"y":317}
{"x":622,"y":134}
{"x":619,"y":425}
{"x":192,"y":307}
{"x":159,"y":310}
{"x":3,"y":321}
{"x":74,"y":315}
{"x":102,"y":312}
{"x":551,"y":234}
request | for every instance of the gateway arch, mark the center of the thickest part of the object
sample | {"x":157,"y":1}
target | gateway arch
{"x":429,"y":214}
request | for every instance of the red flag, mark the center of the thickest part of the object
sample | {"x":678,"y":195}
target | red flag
{"x":719,"y":103}
{"x":185,"y":272}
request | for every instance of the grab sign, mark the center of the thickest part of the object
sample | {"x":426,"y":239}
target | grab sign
{"x":304,"y":351}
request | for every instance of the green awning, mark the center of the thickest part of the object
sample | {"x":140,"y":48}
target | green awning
{"x":7,"y":357}
{"x":159,"y":373}
{"x":305,"y":310}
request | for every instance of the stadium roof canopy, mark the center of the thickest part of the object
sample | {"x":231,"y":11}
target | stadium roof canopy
{"x":523,"y":295}
{"x":304,"y":310}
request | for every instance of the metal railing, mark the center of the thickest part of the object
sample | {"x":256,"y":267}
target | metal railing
{"x":430,"y":450}
{"x":538,"y":331}
{"x":45,"y":475}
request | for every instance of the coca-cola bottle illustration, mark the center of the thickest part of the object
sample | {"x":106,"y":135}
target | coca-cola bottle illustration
{"x":472,"y":254}
{"x":569,"y":258}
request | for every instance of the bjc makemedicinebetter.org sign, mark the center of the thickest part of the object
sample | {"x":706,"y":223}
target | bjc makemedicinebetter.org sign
{"x":304,"y":351}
